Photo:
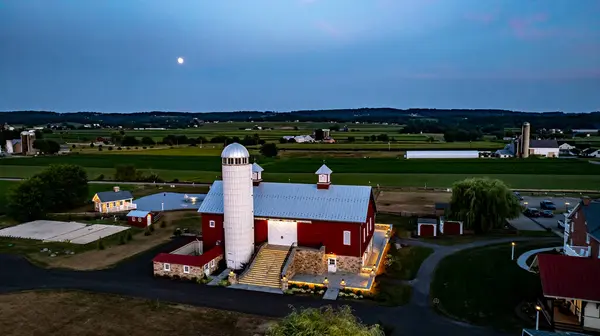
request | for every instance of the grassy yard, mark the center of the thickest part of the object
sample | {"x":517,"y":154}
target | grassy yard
{"x":405,"y":262}
{"x":78,"y":313}
{"x":483,"y":286}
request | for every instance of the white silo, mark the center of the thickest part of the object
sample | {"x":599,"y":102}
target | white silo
{"x":238,"y":205}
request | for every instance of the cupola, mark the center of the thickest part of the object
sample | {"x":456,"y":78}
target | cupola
{"x":324,"y":180}
{"x":256,"y":174}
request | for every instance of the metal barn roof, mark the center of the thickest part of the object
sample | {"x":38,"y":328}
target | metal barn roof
{"x":443,"y":154}
{"x":339,"y":203}
{"x":543,"y":144}
{"x":138,"y":213}
{"x":256,"y":168}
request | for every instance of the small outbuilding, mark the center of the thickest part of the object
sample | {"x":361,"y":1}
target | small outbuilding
{"x":140,"y":218}
{"x":450,"y":228}
{"x":188,"y":261}
{"x":427,"y":227}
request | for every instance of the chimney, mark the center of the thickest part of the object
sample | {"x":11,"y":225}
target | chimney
{"x":116,"y":188}
{"x":256,"y":174}
{"x":324,"y":177}
{"x":586,"y":200}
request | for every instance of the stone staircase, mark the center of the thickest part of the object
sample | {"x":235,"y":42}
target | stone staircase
{"x":265,"y":271}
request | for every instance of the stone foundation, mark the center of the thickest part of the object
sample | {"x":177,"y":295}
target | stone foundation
{"x":176,"y":269}
{"x":309,"y":261}
{"x":349,"y":264}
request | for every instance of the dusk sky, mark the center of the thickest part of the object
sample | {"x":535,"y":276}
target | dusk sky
{"x":121,"y":55}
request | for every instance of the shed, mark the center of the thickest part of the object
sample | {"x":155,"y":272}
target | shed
{"x":443,"y":154}
{"x":140,"y":218}
{"x":427,"y":227}
{"x":450,"y":227}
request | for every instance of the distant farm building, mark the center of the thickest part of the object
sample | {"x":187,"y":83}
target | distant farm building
{"x":142,"y":219}
{"x":444,"y":154}
{"x":113,"y":201}
{"x":427,"y":227}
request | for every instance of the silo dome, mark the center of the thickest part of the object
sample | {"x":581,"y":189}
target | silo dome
{"x":235,"y":151}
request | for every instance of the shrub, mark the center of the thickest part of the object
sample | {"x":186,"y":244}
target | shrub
{"x":129,"y":236}
{"x":163,"y":224}
{"x":100,"y":177}
{"x":224,"y":283}
{"x":119,"y":148}
{"x":151,"y":228}
{"x":143,"y":147}
{"x":110,"y":148}
{"x":99,"y":148}
{"x":147,"y":232}
{"x":100,"y":244}
{"x":122,"y":240}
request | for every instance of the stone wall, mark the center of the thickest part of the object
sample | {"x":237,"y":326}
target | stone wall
{"x":290,"y":269}
{"x":310,"y":261}
{"x":176,"y":269}
{"x":349,"y":264}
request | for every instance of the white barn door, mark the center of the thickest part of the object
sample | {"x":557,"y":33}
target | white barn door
{"x":282,"y":233}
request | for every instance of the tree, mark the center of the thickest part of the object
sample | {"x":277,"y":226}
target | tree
{"x":46,"y":146}
{"x":269,"y":150}
{"x":323,"y":321}
{"x":351,"y":139}
{"x":58,"y":188}
{"x":129,"y":140}
{"x":483,"y":204}
{"x":148,"y":141}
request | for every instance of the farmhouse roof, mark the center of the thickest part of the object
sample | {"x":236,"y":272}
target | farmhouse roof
{"x":570,"y":277}
{"x":324,"y":170}
{"x":189,"y":260}
{"x":138,"y":213}
{"x":339,"y":203}
{"x":543,"y":144}
{"x":427,"y":221}
{"x":111,"y":196}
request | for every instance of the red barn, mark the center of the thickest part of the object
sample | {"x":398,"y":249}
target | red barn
{"x":141,"y":218}
{"x":339,"y":218}
{"x":450,"y":227}
{"x":427,"y":227}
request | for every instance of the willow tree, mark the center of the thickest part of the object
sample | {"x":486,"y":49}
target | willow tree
{"x":323,"y":321}
{"x":483,"y":204}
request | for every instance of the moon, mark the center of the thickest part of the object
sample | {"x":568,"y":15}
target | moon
{"x":180,"y":60}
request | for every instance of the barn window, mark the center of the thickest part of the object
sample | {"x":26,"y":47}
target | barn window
{"x":212,"y":263}
{"x":587,"y":239}
{"x":140,"y":219}
{"x":167,"y":267}
{"x":186,"y":269}
{"x":211,"y":223}
{"x":346,"y":237}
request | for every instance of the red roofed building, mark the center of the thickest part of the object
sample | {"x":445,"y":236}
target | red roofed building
{"x":571,"y":289}
{"x":582,"y":230}
{"x":188,"y":261}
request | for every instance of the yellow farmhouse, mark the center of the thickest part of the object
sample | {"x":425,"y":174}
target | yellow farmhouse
{"x":113,"y":201}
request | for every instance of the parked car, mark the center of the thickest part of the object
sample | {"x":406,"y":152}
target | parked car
{"x":518,"y":195}
{"x":547,"y":213}
{"x":531,"y":212}
{"x":547,"y":205}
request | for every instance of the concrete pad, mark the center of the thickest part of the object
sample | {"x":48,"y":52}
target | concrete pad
{"x":104,"y":232}
{"x":69,"y":236}
{"x":40,"y":229}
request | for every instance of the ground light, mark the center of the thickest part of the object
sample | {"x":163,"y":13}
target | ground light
{"x":537,"y":317}
{"x":512,"y":254}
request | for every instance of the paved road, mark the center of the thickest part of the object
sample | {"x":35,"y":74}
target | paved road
{"x":134,"y":278}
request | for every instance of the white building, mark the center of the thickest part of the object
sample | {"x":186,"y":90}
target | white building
{"x":443,"y":154}
{"x":547,"y":148}
{"x":238,"y":205}
{"x":299,"y":138}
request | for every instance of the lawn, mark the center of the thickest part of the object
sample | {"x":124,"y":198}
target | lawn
{"x":483,"y":286}
{"x":405,"y":262}
{"x":70,"y":313}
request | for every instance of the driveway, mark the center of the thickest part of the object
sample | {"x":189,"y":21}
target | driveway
{"x":134,"y":278}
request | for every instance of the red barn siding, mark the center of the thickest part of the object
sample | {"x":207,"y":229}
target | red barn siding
{"x":595,"y":248}
{"x":331,"y":234}
{"x":451,"y":228}
{"x":427,"y":230}
{"x":579,"y":234}
{"x":210,"y":236}
{"x":134,"y":221}
{"x":261,"y":231}
{"x":369,"y":231}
